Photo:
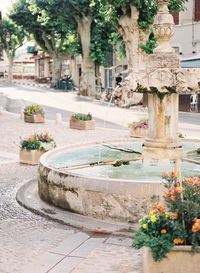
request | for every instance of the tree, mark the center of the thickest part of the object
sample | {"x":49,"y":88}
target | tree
{"x":133,"y":19}
{"x":12,"y":37}
{"x":84,"y":15}
{"x":51,"y":33}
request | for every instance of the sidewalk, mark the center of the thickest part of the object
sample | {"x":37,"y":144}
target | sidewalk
{"x":89,"y":253}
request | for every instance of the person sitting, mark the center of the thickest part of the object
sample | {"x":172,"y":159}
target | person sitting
{"x":117,"y":94}
{"x":118,"y":79}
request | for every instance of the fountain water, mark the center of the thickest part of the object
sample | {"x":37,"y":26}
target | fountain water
{"x":90,"y":186}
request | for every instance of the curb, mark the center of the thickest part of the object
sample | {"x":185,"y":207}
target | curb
{"x":32,"y":84}
{"x":27,"y":196}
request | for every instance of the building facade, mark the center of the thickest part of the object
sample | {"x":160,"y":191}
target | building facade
{"x":186,"y":39}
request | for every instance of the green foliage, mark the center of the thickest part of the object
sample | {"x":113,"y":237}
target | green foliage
{"x":154,"y":91}
{"x":81,"y":116}
{"x":147,"y":9}
{"x":33,"y":109}
{"x":177,"y":223}
{"x":119,"y":163}
{"x":43,"y":141}
{"x":12,"y":36}
{"x":45,"y":21}
{"x":150,"y":44}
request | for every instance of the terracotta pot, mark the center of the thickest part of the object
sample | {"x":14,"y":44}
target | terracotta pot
{"x":30,"y":157}
{"x":179,"y":260}
{"x":82,"y":124}
{"x":138,"y":132}
{"x":38,"y":118}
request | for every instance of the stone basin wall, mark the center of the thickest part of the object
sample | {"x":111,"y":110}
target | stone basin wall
{"x":102,"y":198}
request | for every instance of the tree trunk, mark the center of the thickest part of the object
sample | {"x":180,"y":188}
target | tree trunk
{"x":10,"y":66}
{"x":87,"y":81}
{"x":132,"y":37}
{"x":56,"y":69}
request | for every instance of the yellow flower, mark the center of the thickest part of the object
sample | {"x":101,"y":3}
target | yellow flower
{"x":167,"y":215}
{"x":144,"y":226}
{"x":153,"y":218}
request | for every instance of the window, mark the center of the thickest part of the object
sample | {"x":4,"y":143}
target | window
{"x":197,"y":10}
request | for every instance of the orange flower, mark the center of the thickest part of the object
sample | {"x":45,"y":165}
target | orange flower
{"x":178,"y":241}
{"x":163,"y":231}
{"x":196,"y":225}
{"x":192,"y":180}
{"x":179,"y":189}
{"x":174,"y":216}
{"x":158,"y":207}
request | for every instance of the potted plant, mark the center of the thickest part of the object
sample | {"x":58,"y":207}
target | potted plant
{"x":139,"y":129}
{"x":34,"y":113}
{"x":82,"y":122}
{"x":32,"y":147}
{"x":170,"y":234}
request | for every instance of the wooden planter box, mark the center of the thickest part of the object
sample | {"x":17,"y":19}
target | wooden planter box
{"x":138,"y":132}
{"x":82,"y":124}
{"x":179,"y":260}
{"x":38,"y":118}
{"x":30,"y":157}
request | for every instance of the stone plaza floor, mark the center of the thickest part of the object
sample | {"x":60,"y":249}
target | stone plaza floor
{"x":30,"y":243}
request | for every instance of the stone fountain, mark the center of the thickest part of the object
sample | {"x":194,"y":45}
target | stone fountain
{"x":71,"y":177}
{"x":163,"y":80}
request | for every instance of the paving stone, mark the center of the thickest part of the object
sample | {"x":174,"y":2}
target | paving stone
{"x":71,"y":243}
{"x":119,"y":241}
{"x":44,"y":263}
{"x":66,"y":265}
{"x":111,"y":259}
{"x":87,"y":247}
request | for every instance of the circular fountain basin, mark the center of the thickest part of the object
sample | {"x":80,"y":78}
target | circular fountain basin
{"x":70,"y":178}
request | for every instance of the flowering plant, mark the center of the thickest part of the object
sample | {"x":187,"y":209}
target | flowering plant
{"x":176,"y":223}
{"x":81,"y":116}
{"x":43,"y":141}
{"x":33,"y":109}
{"x":140,"y":124}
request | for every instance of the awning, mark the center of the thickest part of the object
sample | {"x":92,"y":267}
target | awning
{"x":194,"y":63}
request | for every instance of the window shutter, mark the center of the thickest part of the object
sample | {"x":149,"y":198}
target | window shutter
{"x":197,"y":10}
{"x":176,"y":17}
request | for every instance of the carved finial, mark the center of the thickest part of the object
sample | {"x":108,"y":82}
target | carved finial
{"x":163,"y":28}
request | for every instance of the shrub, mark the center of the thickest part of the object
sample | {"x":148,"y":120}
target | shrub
{"x":33,"y":109}
{"x":81,"y":116}
{"x":43,"y":141}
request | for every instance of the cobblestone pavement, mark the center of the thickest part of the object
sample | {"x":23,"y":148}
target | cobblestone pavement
{"x":25,"y":236}
{"x":112,"y":258}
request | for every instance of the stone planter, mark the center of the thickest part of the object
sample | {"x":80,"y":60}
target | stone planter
{"x":37,"y":118}
{"x":82,"y":124}
{"x":138,"y":132}
{"x":179,"y":260}
{"x":30,"y":157}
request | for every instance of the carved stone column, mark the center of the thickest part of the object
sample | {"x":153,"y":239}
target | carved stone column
{"x":162,"y":143}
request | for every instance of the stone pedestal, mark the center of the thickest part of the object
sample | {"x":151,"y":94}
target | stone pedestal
{"x":162,"y":141}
